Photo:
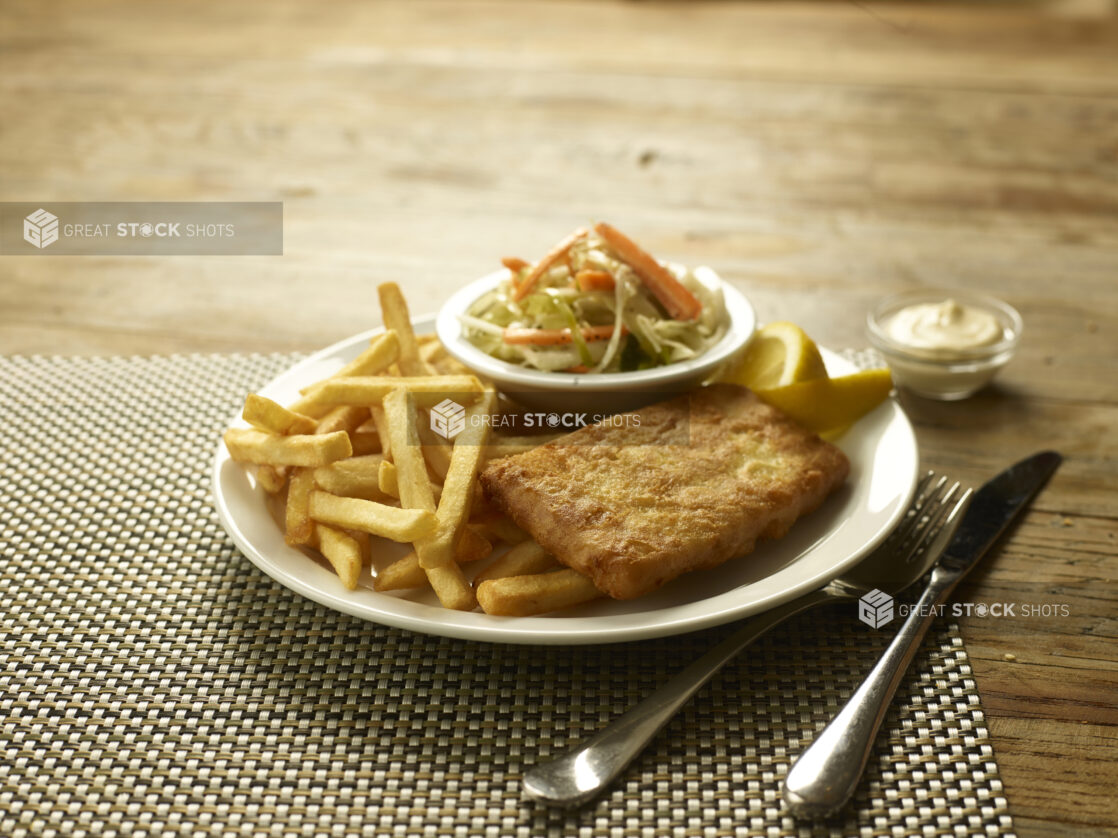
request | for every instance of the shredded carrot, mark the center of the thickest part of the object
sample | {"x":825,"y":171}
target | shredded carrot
{"x":514,"y":264}
{"x":680,"y":303}
{"x":578,"y":368}
{"x":588,"y":280}
{"x":557,"y":337}
{"x":554,"y":255}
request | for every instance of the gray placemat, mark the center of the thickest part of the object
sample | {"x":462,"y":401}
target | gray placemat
{"x":154,"y":682}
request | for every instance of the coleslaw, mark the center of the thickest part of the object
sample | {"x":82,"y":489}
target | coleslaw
{"x":596,"y":303}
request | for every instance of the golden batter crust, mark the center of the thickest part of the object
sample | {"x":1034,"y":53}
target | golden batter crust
{"x":633,"y":508}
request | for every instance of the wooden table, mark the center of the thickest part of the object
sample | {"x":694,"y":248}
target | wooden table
{"x":819,"y":155}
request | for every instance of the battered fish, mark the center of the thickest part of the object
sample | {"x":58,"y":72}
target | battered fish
{"x":633,"y":509}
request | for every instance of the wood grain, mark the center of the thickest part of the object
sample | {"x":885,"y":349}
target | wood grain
{"x":818,"y":155}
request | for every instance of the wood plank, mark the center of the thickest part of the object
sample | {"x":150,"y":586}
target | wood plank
{"x":1066,"y":352}
{"x":1077,"y":786}
{"x":826,"y":41}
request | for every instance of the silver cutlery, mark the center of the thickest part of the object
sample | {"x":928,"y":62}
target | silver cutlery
{"x":826,"y":774}
{"x":893,"y":566}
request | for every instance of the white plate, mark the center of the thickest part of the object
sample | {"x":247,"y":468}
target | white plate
{"x":884,"y":466}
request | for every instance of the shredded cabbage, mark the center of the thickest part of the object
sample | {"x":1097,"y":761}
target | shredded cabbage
{"x":643,"y":335}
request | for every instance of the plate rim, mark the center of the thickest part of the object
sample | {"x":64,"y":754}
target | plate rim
{"x":541,"y":630}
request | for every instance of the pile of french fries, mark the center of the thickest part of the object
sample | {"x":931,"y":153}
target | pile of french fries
{"x":355,"y":458}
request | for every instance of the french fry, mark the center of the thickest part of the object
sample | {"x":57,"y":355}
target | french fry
{"x":524,"y":559}
{"x":365,"y":444}
{"x":458,"y":489}
{"x":336,"y":462}
{"x":523,"y":596}
{"x":436,"y":481}
{"x":357,"y":477}
{"x":376,"y":416}
{"x":343,"y":418}
{"x":386,"y":479}
{"x":299,"y":528}
{"x":451,"y":587}
{"x":380,"y":355}
{"x":371,"y":390}
{"x":389,"y":485}
{"x":411,"y":472}
{"x":434,"y":552}
{"x":351,"y":419}
{"x":373,"y":360}
{"x":265,"y":415}
{"x":430,"y":349}
{"x":402,"y":574}
{"x":365,"y":543}
{"x":368,"y":426}
{"x":394,"y":310}
{"x":406,"y":572}
{"x":481,"y":503}
{"x":382,"y":352}
{"x":390,"y":522}
{"x":435,"y":450}
{"x":497,"y":526}
{"x":473,"y":546}
{"x":343,"y":551}
{"x":251,"y":446}
{"x":272,"y":479}
{"x":454,"y":508}
{"x":434,"y":354}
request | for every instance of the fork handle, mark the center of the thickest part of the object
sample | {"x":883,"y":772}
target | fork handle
{"x":827,"y":772}
{"x":588,"y":769}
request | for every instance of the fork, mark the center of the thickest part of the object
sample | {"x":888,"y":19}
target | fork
{"x":894,"y":565}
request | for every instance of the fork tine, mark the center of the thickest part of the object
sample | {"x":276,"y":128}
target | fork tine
{"x":926,"y":522}
{"x":932,"y":494}
{"x":931,"y":521}
{"x":939,"y":496}
{"x":947,"y":520}
{"x":925,"y":489}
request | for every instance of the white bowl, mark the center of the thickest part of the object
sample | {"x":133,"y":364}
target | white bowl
{"x":604,"y":392}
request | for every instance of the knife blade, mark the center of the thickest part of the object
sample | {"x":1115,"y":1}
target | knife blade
{"x":993,"y":508}
{"x":826,"y":774}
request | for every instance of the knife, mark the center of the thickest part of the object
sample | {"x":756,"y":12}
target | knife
{"x":826,"y":774}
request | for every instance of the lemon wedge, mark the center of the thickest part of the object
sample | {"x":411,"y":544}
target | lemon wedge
{"x":779,"y":354}
{"x":830,"y":405}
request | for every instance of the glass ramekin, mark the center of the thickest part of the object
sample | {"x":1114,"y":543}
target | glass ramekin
{"x":947,"y":375}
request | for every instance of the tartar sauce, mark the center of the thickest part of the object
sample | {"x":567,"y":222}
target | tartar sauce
{"x":944,"y":328}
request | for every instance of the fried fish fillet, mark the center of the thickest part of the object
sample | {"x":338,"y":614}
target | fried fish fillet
{"x":701,"y":480}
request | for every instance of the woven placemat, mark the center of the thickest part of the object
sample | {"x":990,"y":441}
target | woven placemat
{"x":154,"y":682}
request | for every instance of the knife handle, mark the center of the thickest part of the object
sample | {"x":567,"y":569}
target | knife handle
{"x":826,"y":774}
